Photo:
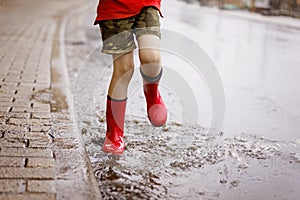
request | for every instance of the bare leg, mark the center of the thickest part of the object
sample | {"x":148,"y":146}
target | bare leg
{"x":122,"y":73}
{"x":149,"y":54}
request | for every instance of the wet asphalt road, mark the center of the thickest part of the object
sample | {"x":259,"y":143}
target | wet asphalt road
{"x":256,"y":154}
{"x":259,"y":66}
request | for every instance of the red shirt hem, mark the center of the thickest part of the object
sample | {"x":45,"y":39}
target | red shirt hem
{"x":122,"y":10}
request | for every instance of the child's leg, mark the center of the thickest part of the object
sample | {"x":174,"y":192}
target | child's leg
{"x":122,"y":73}
{"x":116,"y":103}
{"x":118,"y":41}
{"x":151,"y":70}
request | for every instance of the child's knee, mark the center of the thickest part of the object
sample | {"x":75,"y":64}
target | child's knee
{"x":123,"y":64}
{"x":124,"y":69}
{"x":150,"y":56}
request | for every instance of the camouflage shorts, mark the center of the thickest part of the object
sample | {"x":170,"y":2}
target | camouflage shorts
{"x":118,"y":34}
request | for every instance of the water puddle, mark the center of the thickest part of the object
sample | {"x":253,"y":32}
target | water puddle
{"x":157,"y":165}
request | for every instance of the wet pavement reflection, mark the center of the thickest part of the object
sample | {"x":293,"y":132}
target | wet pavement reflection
{"x":255,"y":156}
{"x":258,"y":63}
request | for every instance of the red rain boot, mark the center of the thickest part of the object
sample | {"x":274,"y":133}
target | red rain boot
{"x":115,"y":114}
{"x":157,"y":112}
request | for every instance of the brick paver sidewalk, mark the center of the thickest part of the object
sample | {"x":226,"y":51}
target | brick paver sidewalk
{"x":41,"y":155}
